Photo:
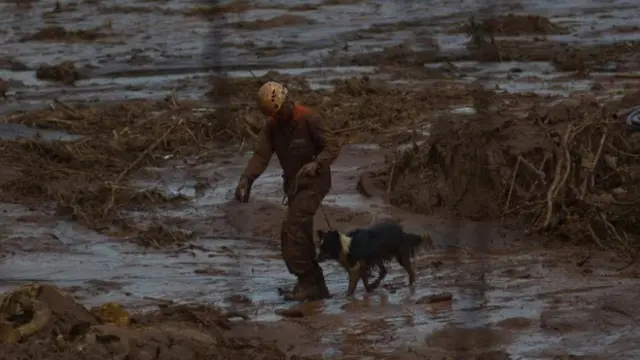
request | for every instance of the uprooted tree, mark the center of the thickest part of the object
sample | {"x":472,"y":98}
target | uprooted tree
{"x":570,"y":170}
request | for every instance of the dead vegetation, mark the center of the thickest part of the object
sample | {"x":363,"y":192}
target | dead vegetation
{"x":87,"y":178}
{"x":357,"y":109}
{"x":65,"y":72}
{"x":274,"y":22}
{"x":340,"y":2}
{"x":60,"y":8}
{"x":136,"y":10}
{"x":240,"y":6}
{"x":515,"y":25}
{"x":21,"y":4}
{"x":484,"y":46}
{"x":584,"y":59}
{"x":568,"y":169}
{"x":41,"y":321}
{"x":212,"y":11}
{"x":60,"y":34}
{"x":162,"y":236}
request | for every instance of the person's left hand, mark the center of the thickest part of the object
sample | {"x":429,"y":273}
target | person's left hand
{"x":309,"y":169}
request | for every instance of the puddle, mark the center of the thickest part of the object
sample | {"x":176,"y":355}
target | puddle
{"x":179,"y":48}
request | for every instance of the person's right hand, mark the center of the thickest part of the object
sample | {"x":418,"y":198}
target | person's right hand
{"x":242,"y":190}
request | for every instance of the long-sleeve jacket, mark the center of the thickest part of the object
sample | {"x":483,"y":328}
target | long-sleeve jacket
{"x":296,"y":142}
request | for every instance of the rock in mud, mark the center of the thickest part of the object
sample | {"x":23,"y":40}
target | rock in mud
{"x":65,"y":72}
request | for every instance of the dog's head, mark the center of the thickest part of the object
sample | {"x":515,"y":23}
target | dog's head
{"x":330,"y":245}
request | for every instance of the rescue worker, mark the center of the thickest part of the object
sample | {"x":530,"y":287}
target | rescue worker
{"x":305,"y":149}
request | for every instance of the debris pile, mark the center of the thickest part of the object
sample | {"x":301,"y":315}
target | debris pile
{"x":357,"y":109}
{"x":88,"y":174}
{"x":569,"y":168}
{"x":41,"y":321}
{"x":88,"y":177}
{"x":517,"y":25}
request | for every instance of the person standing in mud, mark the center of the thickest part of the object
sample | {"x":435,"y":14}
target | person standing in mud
{"x":305,"y":149}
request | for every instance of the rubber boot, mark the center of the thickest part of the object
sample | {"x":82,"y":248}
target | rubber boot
{"x":322,"y":285}
{"x":289,"y":291}
{"x":309,"y":289}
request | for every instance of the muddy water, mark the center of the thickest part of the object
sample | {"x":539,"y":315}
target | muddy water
{"x":152,"y":48}
{"x":508,"y":294}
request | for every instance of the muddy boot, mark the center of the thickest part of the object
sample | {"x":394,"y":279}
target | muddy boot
{"x":322,"y":285}
{"x":285,"y":291}
{"x":312,"y":289}
{"x":306,"y":292}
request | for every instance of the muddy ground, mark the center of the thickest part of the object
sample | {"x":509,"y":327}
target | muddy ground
{"x":497,"y":129}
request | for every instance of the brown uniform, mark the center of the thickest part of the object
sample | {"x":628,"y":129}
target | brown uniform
{"x":301,"y":140}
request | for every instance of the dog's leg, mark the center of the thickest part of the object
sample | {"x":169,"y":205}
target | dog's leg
{"x":354,"y":277}
{"x":364,"y":275}
{"x":405,"y":261}
{"x":381,"y":275}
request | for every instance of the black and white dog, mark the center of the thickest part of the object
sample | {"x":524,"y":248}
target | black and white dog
{"x":359,"y":250}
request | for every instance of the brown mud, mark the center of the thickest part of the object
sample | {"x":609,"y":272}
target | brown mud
{"x":118,"y":176}
{"x":57,"y":33}
{"x":65,"y":72}
{"x":40,"y":321}
{"x":567,"y":169}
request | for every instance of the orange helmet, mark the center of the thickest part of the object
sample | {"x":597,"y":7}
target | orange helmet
{"x":270,"y":97}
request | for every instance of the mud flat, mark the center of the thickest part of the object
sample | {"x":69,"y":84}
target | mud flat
{"x":501,"y":136}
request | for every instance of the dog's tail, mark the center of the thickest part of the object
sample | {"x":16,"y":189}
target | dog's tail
{"x":419,"y":241}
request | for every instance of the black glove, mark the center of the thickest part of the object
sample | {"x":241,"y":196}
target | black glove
{"x":243,"y":190}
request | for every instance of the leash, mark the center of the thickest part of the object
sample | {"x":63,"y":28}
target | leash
{"x":285,"y":200}
{"x":326,"y":217}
